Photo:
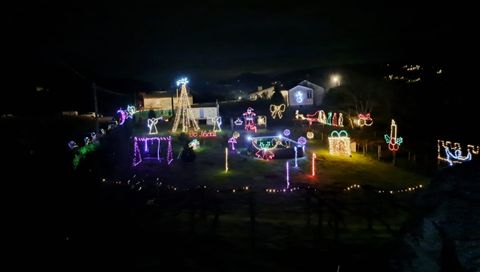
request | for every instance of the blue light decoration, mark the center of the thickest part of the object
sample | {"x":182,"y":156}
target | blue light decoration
{"x":299,"y":97}
{"x":131,"y":111}
{"x":182,"y":81}
{"x":456,"y":157}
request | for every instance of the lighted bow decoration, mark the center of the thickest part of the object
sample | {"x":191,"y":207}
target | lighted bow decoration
{"x":364,"y":120}
{"x":392,"y":140}
{"x":277,"y":110}
{"x":152,"y":125}
{"x":217,"y":123}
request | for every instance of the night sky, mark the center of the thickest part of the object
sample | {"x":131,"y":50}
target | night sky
{"x":213,"y":41}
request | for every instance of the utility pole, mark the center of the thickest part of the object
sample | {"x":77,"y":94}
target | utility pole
{"x":95,"y":102}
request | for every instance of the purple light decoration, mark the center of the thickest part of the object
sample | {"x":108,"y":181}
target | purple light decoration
{"x":287,"y":174}
{"x":137,"y":155}
{"x":72,"y":145}
{"x":302,"y":140}
{"x":286,"y":132}
{"x":123,"y":116}
{"x":232,"y":141}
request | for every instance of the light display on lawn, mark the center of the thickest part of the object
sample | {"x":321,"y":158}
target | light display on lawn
{"x":194,"y":144}
{"x":453,"y":154}
{"x":233,"y":139}
{"x":183,"y":111}
{"x":249,"y":117}
{"x":226,"y":159}
{"x":121,"y":116}
{"x":287,"y":174}
{"x":331,"y":119}
{"x":392,"y":140}
{"x":151,"y":149}
{"x":310,"y":135}
{"x":238,"y":122}
{"x":339,"y":143}
{"x":203,"y":134}
{"x":314,"y":156}
{"x":296,"y":157}
{"x":286,"y":132}
{"x":302,"y":140}
{"x":364,"y":120}
{"x":152,"y":125}
{"x":277,"y":110}
{"x":87,"y":140}
{"x":93,"y":135}
{"x":217,"y":123}
{"x":131,"y":111}
{"x":72,"y":145}
{"x":266,"y":147}
{"x":262,"y":120}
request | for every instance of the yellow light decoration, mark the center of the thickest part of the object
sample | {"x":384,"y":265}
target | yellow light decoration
{"x":183,"y":110}
{"x":314,"y":156}
{"x":339,"y":143}
{"x":277,"y":110}
{"x":310,"y":135}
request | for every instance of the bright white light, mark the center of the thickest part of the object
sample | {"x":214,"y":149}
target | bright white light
{"x":249,"y":138}
{"x":182,"y":81}
{"x":335,"y":80}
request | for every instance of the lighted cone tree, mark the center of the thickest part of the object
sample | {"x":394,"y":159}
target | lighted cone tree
{"x":184,"y":112}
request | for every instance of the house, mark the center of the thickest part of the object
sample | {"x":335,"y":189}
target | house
{"x":204,"y":112}
{"x":306,"y":93}
{"x":267,"y":93}
{"x":161,"y":101}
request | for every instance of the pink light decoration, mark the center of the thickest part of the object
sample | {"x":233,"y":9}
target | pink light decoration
{"x":314,"y":156}
{"x":249,"y":117}
{"x":393,"y":141}
{"x":287,"y":174}
{"x":233,"y":139}
{"x":137,"y":155}
{"x":365,"y":119}
{"x":265,"y":154}
{"x":203,"y":134}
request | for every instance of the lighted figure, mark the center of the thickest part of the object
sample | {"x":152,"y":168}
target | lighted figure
{"x":329,"y":119}
{"x":318,"y":116}
{"x":262,"y":120}
{"x":183,"y":110}
{"x":299,"y":97}
{"x":340,"y":120}
{"x":299,"y":116}
{"x":131,"y":111}
{"x":339,"y":143}
{"x":122,"y":116}
{"x":238,"y":122}
{"x":194,"y":144}
{"x":137,"y":154}
{"x":392,"y":140}
{"x":87,"y":140}
{"x":217,"y":123}
{"x":233,"y":139}
{"x":310,"y":135}
{"x":277,"y":110}
{"x":364,"y":120}
{"x":249,"y":117}
{"x":152,"y":125}
{"x":334,"y":120}
{"x":102,"y":131}
{"x":72,"y":145}
{"x":93,"y":135}
{"x":302,"y":141}
{"x":455,"y":157}
{"x":286,"y":132}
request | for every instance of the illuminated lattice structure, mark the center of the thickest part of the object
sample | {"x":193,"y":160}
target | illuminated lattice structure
{"x":339,"y":143}
{"x":148,"y":148}
{"x":183,"y":112}
{"x":277,"y":110}
{"x":452,"y":154}
{"x":392,"y":140}
{"x":269,"y":147}
{"x":364,"y":120}
{"x":249,"y":117}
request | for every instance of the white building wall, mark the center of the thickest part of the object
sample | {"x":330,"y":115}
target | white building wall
{"x":299,"y":96}
{"x":202,"y":113}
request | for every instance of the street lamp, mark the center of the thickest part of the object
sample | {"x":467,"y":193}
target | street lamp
{"x":335,"y":80}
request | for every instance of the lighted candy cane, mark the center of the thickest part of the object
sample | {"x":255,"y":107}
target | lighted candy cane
{"x":392,"y":140}
{"x":365,"y":120}
{"x":217,"y":123}
{"x":277,"y":110}
{"x":152,"y":125}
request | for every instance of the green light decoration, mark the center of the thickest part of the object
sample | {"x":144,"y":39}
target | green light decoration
{"x":82,"y":153}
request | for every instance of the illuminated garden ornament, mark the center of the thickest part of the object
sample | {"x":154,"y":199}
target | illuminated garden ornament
{"x":287,"y":174}
{"x":314,"y":156}
{"x":183,"y":112}
{"x":277,"y":110}
{"x":339,"y":143}
{"x":87,"y":140}
{"x":364,"y":120}
{"x":122,"y":116}
{"x":102,"y":131}
{"x":194,"y":144}
{"x":217,"y":123}
{"x":262,"y":120}
{"x":72,"y":145}
{"x":286,"y":132}
{"x":131,"y":111}
{"x":137,"y":154}
{"x":266,"y":146}
{"x":152,"y":125}
{"x":392,"y":140}
{"x":226,"y":159}
{"x":340,"y":120}
{"x":296,"y":157}
{"x":302,"y":140}
{"x":233,"y":139}
{"x":93,"y":135}
{"x":456,"y":157}
{"x":310,"y":135}
{"x":238,"y":122}
{"x":249,"y":117}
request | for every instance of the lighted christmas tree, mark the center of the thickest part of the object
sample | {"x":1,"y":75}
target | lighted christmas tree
{"x":183,"y":111}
